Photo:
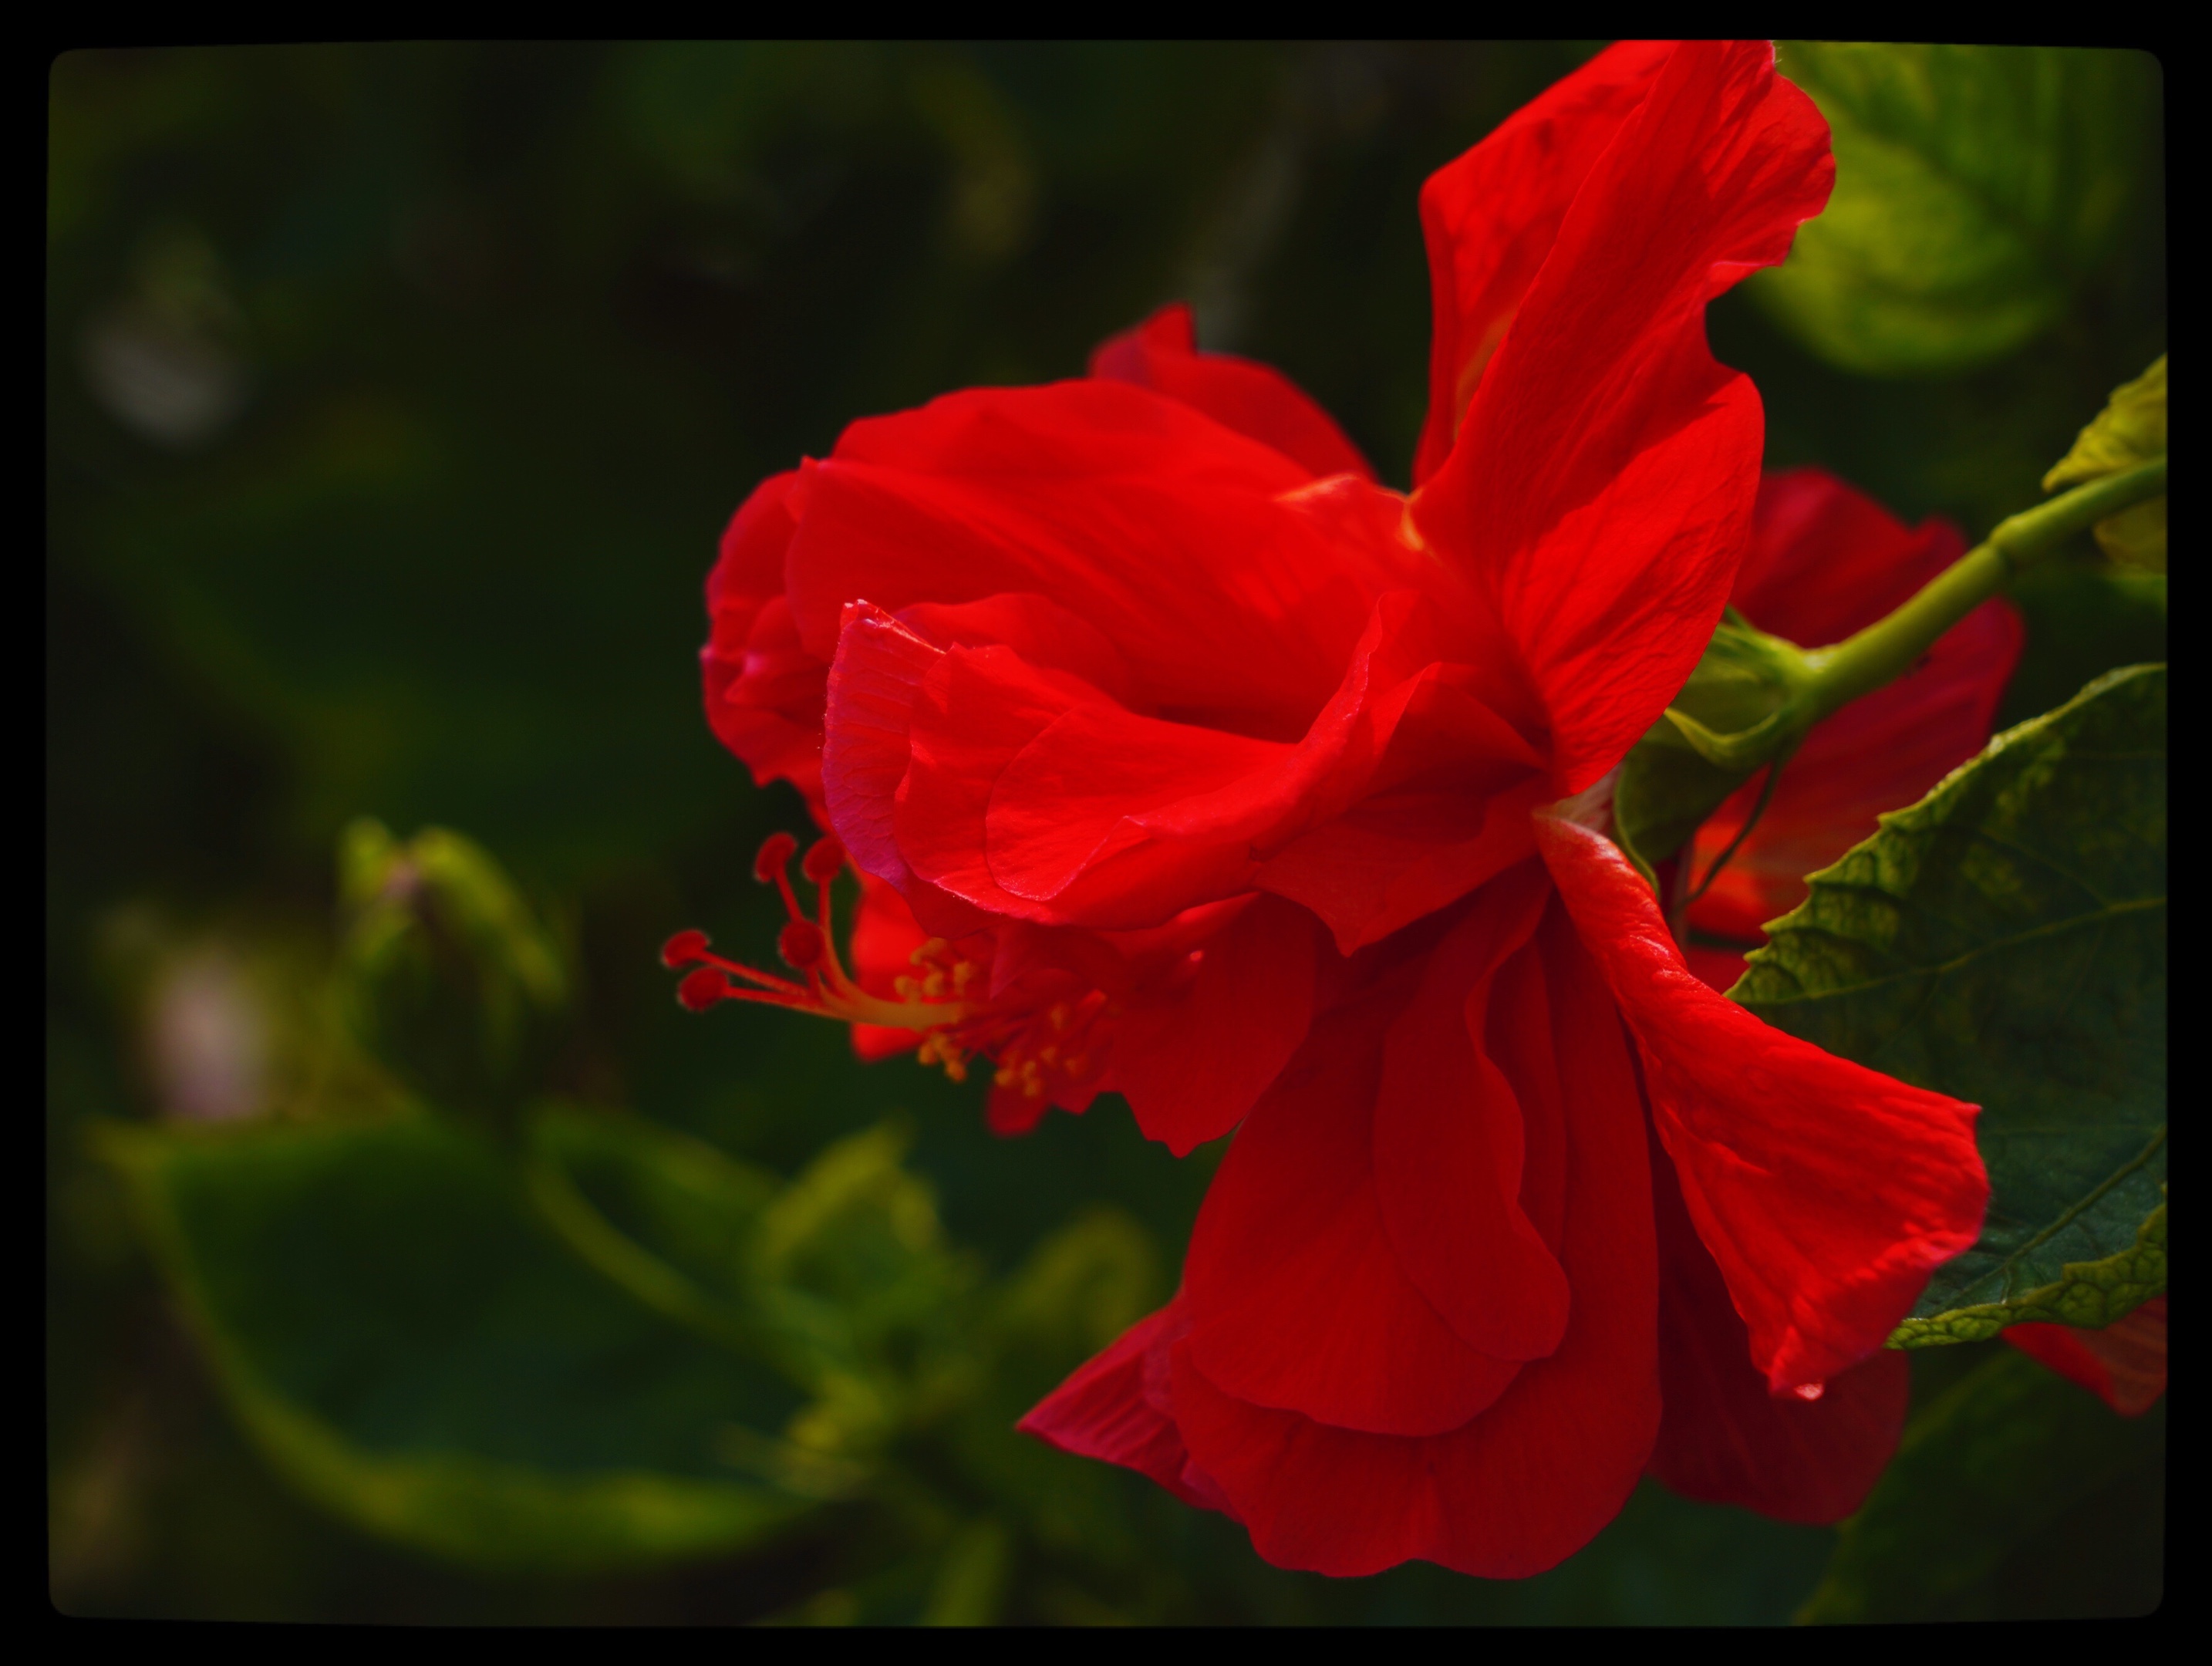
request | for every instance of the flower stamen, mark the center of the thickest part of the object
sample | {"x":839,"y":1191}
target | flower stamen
{"x":1039,"y":1050}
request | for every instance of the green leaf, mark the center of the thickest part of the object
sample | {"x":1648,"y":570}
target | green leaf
{"x":864,"y":1298}
{"x":1976,"y":186}
{"x":2004,"y":941}
{"x":668,"y":1218}
{"x":410,"y":1350}
{"x":1995,"y":1480}
{"x":2131,"y":429}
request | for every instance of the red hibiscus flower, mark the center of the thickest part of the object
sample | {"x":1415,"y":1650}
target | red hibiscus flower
{"x":1141,"y":687}
{"x":1826,"y":560}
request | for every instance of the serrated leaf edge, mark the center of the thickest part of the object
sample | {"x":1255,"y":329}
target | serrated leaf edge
{"x":2091,"y":1294}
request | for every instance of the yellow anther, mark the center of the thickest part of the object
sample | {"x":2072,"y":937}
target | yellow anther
{"x":1059,"y":1015}
{"x":928,"y":952}
{"x":964,"y":973}
{"x":1003,"y":1076}
{"x":907,"y":988}
{"x":955,"y":1070}
{"x":933,"y":986}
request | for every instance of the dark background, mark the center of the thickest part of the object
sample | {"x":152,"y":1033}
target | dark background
{"x":396,"y":397}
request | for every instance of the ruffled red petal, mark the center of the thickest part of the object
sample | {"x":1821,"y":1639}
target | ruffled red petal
{"x":1490,"y":218}
{"x":2123,"y":1364}
{"x":1254,"y":400}
{"x":1529,"y":1480}
{"x":1452,"y":1138}
{"x":1116,"y":1408}
{"x":1154,"y":524}
{"x":1724,"y":1437}
{"x":763,"y":690}
{"x":1298,"y":1299}
{"x":1603,"y":479}
{"x":1192,"y":1062}
{"x":1825,"y":1192}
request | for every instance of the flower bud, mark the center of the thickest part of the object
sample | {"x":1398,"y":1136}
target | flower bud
{"x":444,"y":975}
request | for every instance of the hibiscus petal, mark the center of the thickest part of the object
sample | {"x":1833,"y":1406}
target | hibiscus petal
{"x":1723,"y":1436}
{"x":1716,"y":968}
{"x":1150,"y":521}
{"x":1449,"y":1142}
{"x":1035,"y":797}
{"x":1192,"y":1066}
{"x":764,"y":691}
{"x":1606,"y":470}
{"x":960,"y":826}
{"x":1298,"y":1298}
{"x":2123,"y":1364}
{"x":870,"y":713}
{"x":1491,"y":217}
{"x":1533,"y":1477}
{"x":1041,"y":631}
{"x":1103,"y":1411}
{"x":1825,"y":1192}
{"x":1254,"y":400}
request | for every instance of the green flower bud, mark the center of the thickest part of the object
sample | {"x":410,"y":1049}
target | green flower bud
{"x":444,"y":975}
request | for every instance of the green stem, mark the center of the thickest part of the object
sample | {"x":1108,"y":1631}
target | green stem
{"x":1822,"y":680}
{"x":1886,"y":650}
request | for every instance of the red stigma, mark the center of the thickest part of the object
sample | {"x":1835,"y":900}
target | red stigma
{"x":824,"y":860}
{"x":683,"y":948}
{"x":800,"y":944}
{"x":701,"y":988}
{"x":774,"y":856}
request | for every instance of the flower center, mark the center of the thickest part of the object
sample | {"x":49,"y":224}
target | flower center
{"x":1038,"y":1045}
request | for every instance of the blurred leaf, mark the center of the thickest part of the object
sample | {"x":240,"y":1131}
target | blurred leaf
{"x":1083,"y":1287}
{"x":410,"y":1350}
{"x":2004,"y":941}
{"x":445,"y":973}
{"x":666,"y":1217}
{"x":969,"y":1588}
{"x":1976,"y":186}
{"x":2006,"y":1457}
{"x":2131,"y":429}
{"x":862,"y":1295}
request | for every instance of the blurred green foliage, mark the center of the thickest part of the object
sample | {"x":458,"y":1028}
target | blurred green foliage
{"x":1977,"y":187}
{"x":396,"y":396}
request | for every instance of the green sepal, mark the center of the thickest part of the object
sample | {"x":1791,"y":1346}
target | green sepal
{"x":2129,"y":430}
{"x":1693,"y":758}
{"x":2004,"y":941}
{"x":408,"y":1349}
